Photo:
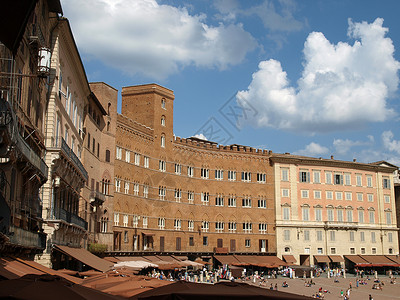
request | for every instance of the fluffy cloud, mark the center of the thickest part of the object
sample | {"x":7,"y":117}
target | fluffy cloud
{"x":143,"y":37}
{"x":389,"y":143}
{"x":201,"y":136}
{"x":343,"y":146}
{"x":342,"y":86}
{"x":312,"y":149}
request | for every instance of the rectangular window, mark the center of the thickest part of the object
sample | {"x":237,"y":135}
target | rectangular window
{"x":340,"y":215}
{"x":145,"y":222}
{"x":317,"y":194}
{"x":347,"y":179}
{"x":178,"y":195}
{"x":136,"y":189}
{"x":349,"y":215}
{"x":319,"y":235}
{"x":317,"y":176}
{"x":116,"y":219}
{"x":285,"y":192}
{"x":161,"y":192}
{"x":219,"y":227}
{"x":205,"y":226}
{"x":359,"y":196}
{"x":320,"y":251}
{"x":329,"y":195}
{"x":373,"y":238}
{"x":262,"y":227}
{"x":219,"y":174}
{"x":135,"y":221}
{"x":117,"y":185}
{"x":205,"y":198}
{"x":232,"y":175}
{"x":304,"y":176}
{"x":232,"y":227}
{"x":339,"y":179}
{"x":219,"y":201}
{"x":339,"y":195}
{"x":125,"y":220}
{"x":304,"y":194}
{"x":286,"y":213}
{"x":330,"y":214}
{"x":126,"y":187}
{"x":190,"y":171}
{"x":118,"y":153}
{"x":362,"y":236}
{"x":262,"y":203}
{"x":351,"y":233}
{"x":286,"y":235}
{"x":205,"y":241}
{"x":328,"y":177}
{"x":388,"y":218}
{"x":162,"y":165}
{"x":126,"y":237}
{"x":359,"y":180}
{"x":232,"y":201}
{"x":352,"y":250}
{"x":387,"y":198}
{"x":146,"y":162}
{"x":360,"y":216}
{"x":333,"y":250}
{"x":190,"y":196}
{"x":306,"y":213}
{"x":246,"y":176}
{"x":348,"y":196}
{"x":370,"y":197}
{"x":369,"y":181}
{"x":362,"y":250}
{"x":332,"y":235}
{"x":137,"y":159}
{"x":386,"y":183}
{"x":247,"y":243}
{"x":177,"y":224}
{"x":247,"y":227}
{"x":306,"y":235}
{"x":178,"y":169}
{"x":205,"y":173}
{"x":146,"y":191}
{"x":390,"y":237}
{"x":246,"y":202}
{"x":371,"y":217}
{"x":161,"y":223}
{"x":373,"y":250}
{"x":127,"y":156}
{"x":318,"y":214}
{"x":261,"y":177}
{"x":285,"y":174}
{"x":190,"y":225}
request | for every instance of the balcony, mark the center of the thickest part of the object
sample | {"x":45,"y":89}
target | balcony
{"x":97,"y":198}
{"x":25,"y":238}
{"x":70,"y":218}
{"x":60,"y":144}
{"x":336,"y":225}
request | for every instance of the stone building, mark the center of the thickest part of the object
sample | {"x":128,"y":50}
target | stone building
{"x":186,"y":195}
{"x":25,"y":52}
{"x":69,"y":92}
{"x":326,"y":207}
{"x":98,"y":158}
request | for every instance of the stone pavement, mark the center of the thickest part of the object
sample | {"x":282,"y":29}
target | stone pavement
{"x":296,"y":286}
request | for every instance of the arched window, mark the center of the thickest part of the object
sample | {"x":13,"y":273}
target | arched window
{"x":163,"y":140}
{"x":107,"y":155}
{"x":163,"y":121}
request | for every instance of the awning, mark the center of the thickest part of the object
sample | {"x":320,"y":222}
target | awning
{"x":148,"y":234}
{"x":289,"y":259}
{"x":226,"y":259}
{"x":336,"y":258}
{"x":394,"y":258}
{"x":357,"y":259}
{"x":86,"y":257}
{"x":12,"y":269}
{"x":378,"y":259}
{"x":322,"y":258}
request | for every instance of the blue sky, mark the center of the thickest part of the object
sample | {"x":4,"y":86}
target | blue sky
{"x":314,"y":77}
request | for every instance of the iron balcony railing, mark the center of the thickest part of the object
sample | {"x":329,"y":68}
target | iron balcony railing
{"x":25,"y":238}
{"x":69,"y":217}
{"x":339,"y":224}
{"x":59,"y":143}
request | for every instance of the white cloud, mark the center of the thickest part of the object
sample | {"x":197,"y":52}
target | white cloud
{"x":143,"y":37}
{"x":342,"y":86}
{"x":389,"y":143}
{"x":201,"y":136}
{"x":312,"y":149}
{"x":343,"y":146}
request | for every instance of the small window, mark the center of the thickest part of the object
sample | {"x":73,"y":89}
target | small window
{"x":304,"y":176}
{"x":107,"y":155}
{"x":205,"y":240}
{"x":191,"y":241}
{"x":163,"y":103}
{"x":247,"y":243}
{"x":162,"y":121}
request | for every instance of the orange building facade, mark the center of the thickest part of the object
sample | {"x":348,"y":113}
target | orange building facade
{"x":186,"y":195}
